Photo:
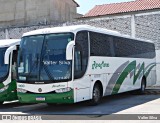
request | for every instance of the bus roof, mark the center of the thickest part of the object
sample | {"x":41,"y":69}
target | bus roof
{"x":62,"y":29}
{"x":76,"y":28}
{"x":9,"y":42}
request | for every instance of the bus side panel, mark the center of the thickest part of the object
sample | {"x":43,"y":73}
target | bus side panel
{"x":82,"y":88}
{"x":151,"y":79}
{"x":124,"y":74}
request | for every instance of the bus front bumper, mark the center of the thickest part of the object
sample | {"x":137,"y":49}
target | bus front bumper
{"x":66,"y":97}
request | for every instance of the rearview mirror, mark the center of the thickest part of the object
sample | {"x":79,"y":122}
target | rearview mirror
{"x":69,"y":50}
{"x":7,"y":53}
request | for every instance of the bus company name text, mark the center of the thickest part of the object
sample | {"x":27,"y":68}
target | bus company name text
{"x":96,"y":65}
{"x":56,"y":62}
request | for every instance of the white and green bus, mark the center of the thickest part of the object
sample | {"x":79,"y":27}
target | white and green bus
{"x":77,"y":63}
{"x":8,"y":61}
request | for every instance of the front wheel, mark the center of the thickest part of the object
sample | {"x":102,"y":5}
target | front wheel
{"x":96,"y":95}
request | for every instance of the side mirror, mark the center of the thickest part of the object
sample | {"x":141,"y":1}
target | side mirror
{"x":7,"y":53}
{"x":69,"y":50}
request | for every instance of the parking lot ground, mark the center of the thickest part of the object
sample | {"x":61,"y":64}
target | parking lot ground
{"x":125,"y":103}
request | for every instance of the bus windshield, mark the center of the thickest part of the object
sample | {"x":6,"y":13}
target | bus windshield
{"x":3,"y":67}
{"x":42,"y":58}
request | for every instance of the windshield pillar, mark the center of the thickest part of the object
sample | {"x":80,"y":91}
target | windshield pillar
{"x":73,"y":62}
{"x":4,"y":68}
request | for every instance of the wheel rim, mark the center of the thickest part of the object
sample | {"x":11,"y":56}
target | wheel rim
{"x":143,"y":87}
{"x":96,"y":94}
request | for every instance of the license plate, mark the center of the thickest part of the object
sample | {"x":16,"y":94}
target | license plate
{"x":40,"y":99}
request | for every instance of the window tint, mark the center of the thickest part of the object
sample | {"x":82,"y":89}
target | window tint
{"x":113,"y":46}
{"x":100,"y":44}
{"x":132,"y":48}
{"x":81,"y":54}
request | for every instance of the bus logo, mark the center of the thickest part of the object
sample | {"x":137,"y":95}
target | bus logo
{"x":40,"y":89}
{"x":96,"y":65}
{"x":58,"y":86}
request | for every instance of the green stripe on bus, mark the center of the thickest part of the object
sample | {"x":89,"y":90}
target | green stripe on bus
{"x":9,"y":94}
{"x":1,"y":85}
{"x":127,"y":70}
{"x":122,"y":77}
{"x":139,"y":72}
{"x":149,"y":70}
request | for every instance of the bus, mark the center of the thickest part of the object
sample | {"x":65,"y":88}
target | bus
{"x":8,"y":61}
{"x":77,"y":63}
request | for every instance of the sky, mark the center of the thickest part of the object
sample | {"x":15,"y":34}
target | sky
{"x":86,"y":5}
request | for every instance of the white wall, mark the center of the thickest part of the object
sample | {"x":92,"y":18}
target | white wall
{"x":158,"y":66}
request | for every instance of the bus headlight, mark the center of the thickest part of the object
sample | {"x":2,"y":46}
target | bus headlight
{"x":63,"y":90}
{"x":3,"y":89}
{"x":21,"y":90}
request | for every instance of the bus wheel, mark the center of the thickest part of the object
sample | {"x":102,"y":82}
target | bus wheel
{"x":96,"y":95}
{"x":143,"y":86}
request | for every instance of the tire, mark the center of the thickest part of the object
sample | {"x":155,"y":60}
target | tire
{"x":96,"y":95}
{"x":143,"y":86}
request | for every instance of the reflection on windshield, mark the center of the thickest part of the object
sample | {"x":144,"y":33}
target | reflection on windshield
{"x":29,"y":55}
{"x":43,"y":58}
{"x":3,"y":67}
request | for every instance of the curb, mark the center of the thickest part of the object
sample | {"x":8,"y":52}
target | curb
{"x":152,"y":92}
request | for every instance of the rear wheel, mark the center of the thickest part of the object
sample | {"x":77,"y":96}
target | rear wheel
{"x":143,"y":86}
{"x":96,"y":95}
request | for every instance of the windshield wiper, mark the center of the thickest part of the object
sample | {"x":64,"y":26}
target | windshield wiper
{"x":48,"y":73}
{"x":45,"y":67}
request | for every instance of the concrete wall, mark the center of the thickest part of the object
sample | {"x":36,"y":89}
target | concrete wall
{"x":29,"y":12}
{"x":64,"y":10}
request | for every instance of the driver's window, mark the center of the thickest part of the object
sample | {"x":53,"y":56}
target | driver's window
{"x":81,"y":54}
